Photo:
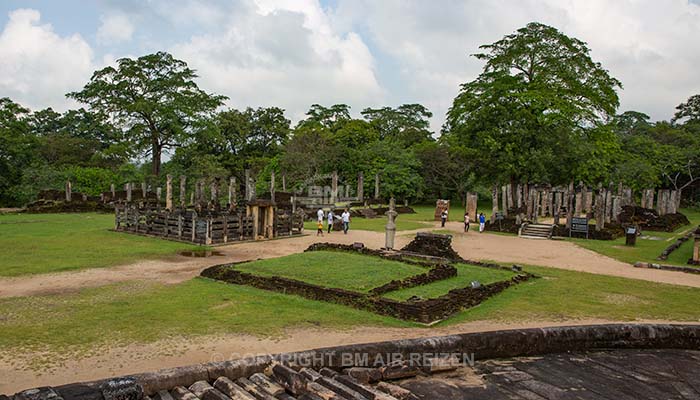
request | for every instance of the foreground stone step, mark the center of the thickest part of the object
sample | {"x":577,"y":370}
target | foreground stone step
{"x":365,"y":390}
{"x":264,"y":382}
{"x":289,"y":379}
{"x":200,"y":387}
{"x":182,"y":393}
{"x":232,"y":390}
{"x":252,"y":388}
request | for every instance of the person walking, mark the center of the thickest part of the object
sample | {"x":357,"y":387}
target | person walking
{"x":443,"y":217}
{"x":345,"y":216}
{"x":319,"y":230}
{"x":482,"y":222}
{"x":319,"y":215}
{"x":466,"y":222}
{"x":331,"y":218}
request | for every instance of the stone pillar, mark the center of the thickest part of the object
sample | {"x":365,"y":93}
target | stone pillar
{"x":158,"y":195}
{"x":472,"y":199}
{"x":249,"y":186}
{"x":334,"y":187}
{"x":579,"y":204}
{"x":127,"y":187}
{"x":526,"y":198}
{"x":588,"y":204}
{"x":660,"y":203}
{"x":600,"y":210}
{"x":627,"y":199}
{"x":232,"y":191}
{"x":570,"y":204}
{"x":504,"y":199}
{"x":617,"y":202}
{"x":696,"y":249}
{"x":550,"y":203}
{"x":536,"y":205}
{"x":144,"y":189}
{"x":347,"y":192}
{"x":284,"y":182}
{"x":114,"y":192}
{"x":376,"y":186}
{"x":518,"y":196}
{"x":214,"y":191}
{"x":584,"y":200}
{"x":183,"y":190}
{"x":272,"y":186}
{"x":608,"y":206}
{"x":557,"y":203}
{"x":390,"y":229}
{"x":494,"y":199}
{"x":69,"y":191}
{"x":672,"y":202}
{"x":509,"y":197}
{"x":650,"y":199}
{"x":360,"y":187}
{"x":169,"y":192}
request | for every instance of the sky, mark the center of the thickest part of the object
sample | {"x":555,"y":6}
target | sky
{"x":364,"y":53}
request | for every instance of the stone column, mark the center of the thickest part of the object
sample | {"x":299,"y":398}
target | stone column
{"x":529,"y":202}
{"x":494,"y":199}
{"x":232,"y":192}
{"x":504,"y":199}
{"x":183,"y":190}
{"x":334,"y":187}
{"x":360,"y":187}
{"x":627,"y":199}
{"x":608,"y":206}
{"x":114,"y":192}
{"x":69,"y":191}
{"x":550,"y":203}
{"x":660,"y":203}
{"x":158,"y":195}
{"x":272,"y":186}
{"x":557,"y":204}
{"x":536,"y":205}
{"x":390,"y":229}
{"x":144,"y":189}
{"x":472,"y":199}
{"x":249,"y":186}
{"x":518,"y":196}
{"x":127,"y":187}
{"x":600,"y":210}
{"x":570,"y":204}
{"x":588,"y":204}
{"x":169,"y":192}
{"x":696,"y":250}
{"x":509,"y":197}
{"x":347,"y":192}
{"x":526,"y":198}
{"x":584,"y":200}
{"x":284,"y":182}
{"x":617,"y":208}
{"x":376,"y":186}
{"x":214,"y":191}
{"x":579,"y":203}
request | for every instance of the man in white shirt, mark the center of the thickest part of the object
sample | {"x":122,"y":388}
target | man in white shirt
{"x":320,"y":214}
{"x":345,"y":216}
{"x":331,"y":217}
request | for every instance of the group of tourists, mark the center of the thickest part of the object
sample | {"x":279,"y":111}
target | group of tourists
{"x":481,"y":218}
{"x":331,"y":217}
{"x":467,"y":220}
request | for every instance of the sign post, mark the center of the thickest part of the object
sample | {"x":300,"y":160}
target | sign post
{"x":579,"y":225}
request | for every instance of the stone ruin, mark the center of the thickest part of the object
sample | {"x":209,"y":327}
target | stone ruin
{"x":440,"y":206}
{"x":594,"y":361}
{"x":432,"y":244}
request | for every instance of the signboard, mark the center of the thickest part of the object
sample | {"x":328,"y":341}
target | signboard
{"x":579,"y":225}
{"x":499,"y":216}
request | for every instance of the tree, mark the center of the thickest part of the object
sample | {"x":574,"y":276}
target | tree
{"x":154,"y":99}
{"x":17,"y":149}
{"x":408,"y":124}
{"x":527,"y":114}
{"x":333,"y":117}
{"x":690,"y":110}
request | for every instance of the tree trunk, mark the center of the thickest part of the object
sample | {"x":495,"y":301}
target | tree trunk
{"x":156,"y":151}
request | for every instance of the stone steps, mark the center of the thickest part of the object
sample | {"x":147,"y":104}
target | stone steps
{"x":536,"y":231}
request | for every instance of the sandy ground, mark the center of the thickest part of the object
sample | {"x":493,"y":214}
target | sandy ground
{"x":472,"y":245}
{"x":119,"y":360}
{"x":135,"y":358}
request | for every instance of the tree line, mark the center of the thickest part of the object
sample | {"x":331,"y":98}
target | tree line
{"x":542,"y":111}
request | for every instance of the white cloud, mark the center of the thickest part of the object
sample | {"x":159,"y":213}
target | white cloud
{"x":650,"y":45}
{"x":283,"y":53}
{"x":115,"y":28}
{"x":37,"y":66}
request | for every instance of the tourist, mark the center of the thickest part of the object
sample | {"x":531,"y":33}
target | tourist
{"x":331,"y":217}
{"x":443,"y":217}
{"x":482,"y":222}
{"x":319,"y":231}
{"x":345,"y":216}
{"x":320,"y":214}
{"x":466,"y":222}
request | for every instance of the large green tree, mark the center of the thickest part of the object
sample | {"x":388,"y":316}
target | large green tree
{"x":154,"y":98}
{"x":528,"y":114}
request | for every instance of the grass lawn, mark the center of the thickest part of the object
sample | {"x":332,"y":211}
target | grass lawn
{"x":40,"y":243}
{"x":465,"y":275}
{"x":334,"y":269}
{"x":78,"y":323}
{"x":648,"y":249}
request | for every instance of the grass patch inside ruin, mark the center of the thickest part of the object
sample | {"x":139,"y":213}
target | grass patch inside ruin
{"x":647,"y":250}
{"x":465,"y":275}
{"x":342,"y":270}
{"x":41,"y":243}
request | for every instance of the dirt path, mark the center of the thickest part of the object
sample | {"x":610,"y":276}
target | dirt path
{"x":135,"y":358}
{"x":472,"y":245}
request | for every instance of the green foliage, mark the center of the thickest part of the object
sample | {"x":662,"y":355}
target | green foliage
{"x":154,"y":99}
{"x":528,"y":115}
